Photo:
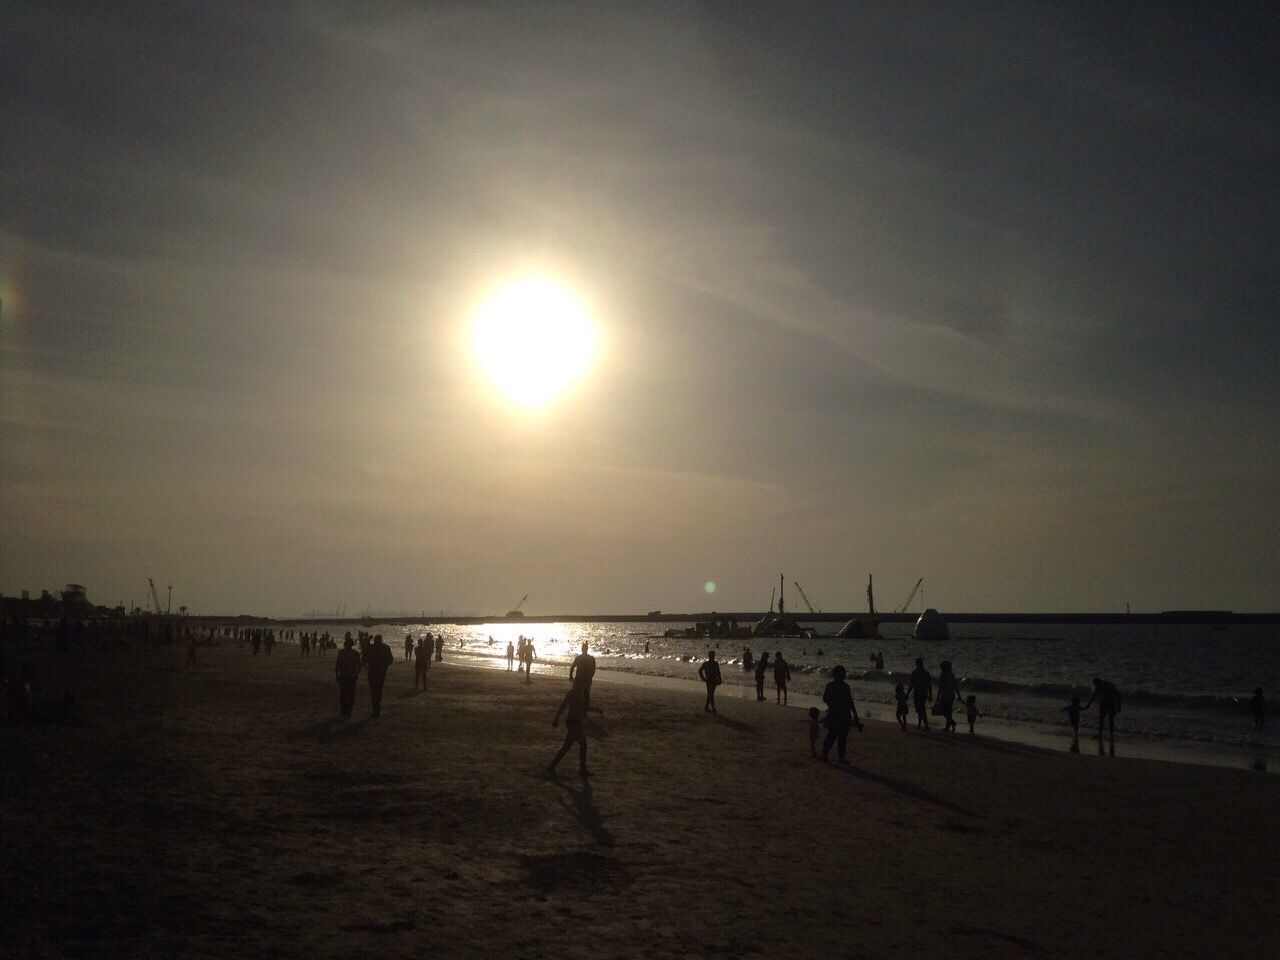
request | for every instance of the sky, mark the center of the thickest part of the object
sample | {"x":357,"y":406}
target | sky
{"x":980,"y":293}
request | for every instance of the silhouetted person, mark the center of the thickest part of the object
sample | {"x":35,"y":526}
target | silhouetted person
{"x":256,"y":642}
{"x":646,"y":646}
{"x":529,"y":654}
{"x":815,"y":731}
{"x":191,"y":651}
{"x":880,"y":660}
{"x":762,"y":670}
{"x":748,"y":661}
{"x":709,"y":673}
{"x":347,"y":670}
{"x":781,"y":674}
{"x":900,"y":711}
{"x":421,"y":664}
{"x":971,"y":711}
{"x":1258,"y":707}
{"x":1108,"y":698}
{"x":511,"y":656}
{"x":841,"y":714}
{"x":574,"y":731}
{"x":948,"y":691}
{"x":1072,"y":710}
{"x":408,"y":646}
{"x":582,"y":671}
{"x":440,"y":648}
{"x":380,"y":660}
{"x":920,"y":687}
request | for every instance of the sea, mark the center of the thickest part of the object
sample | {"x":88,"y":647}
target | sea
{"x":1185,"y":687}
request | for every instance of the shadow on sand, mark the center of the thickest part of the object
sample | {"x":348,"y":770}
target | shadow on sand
{"x":578,"y":802}
{"x":739,"y":725}
{"x":909,"y":790}
{"x":335,"y":728}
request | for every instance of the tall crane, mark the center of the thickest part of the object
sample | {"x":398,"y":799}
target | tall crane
{"x":155,"y":597}
{"x":910,"y":596}
{"x":516,"y":611}
{"x":805,"y":597}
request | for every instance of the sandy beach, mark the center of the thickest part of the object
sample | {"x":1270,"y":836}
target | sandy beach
{"x":225,"y":811}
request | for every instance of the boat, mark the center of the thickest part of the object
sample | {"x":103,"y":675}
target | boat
{"x":781,"y":624}
{"x":931,"y":626}
{"x":863,"y":628}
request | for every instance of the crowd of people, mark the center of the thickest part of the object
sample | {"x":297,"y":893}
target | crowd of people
{"x":366,"y":653}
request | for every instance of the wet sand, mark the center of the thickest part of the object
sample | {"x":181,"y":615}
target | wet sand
{"x":225,"y":811}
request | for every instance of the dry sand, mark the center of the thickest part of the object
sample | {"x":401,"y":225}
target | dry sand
{"x":224,"y":812}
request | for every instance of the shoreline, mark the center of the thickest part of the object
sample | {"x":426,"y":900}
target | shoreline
{"x":1027,"y":734}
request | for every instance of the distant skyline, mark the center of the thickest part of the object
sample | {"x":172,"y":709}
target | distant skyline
{"x":985,"y":294}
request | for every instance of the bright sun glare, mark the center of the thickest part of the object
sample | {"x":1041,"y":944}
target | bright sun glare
{"x":533,"y":338}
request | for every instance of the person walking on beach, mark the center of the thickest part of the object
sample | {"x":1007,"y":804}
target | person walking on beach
{"x":841,"y":715}
{"x":709,"y":673}
{"x":421,"y":664}
{"x":1108,"y":698}
{"x":971,"y":711}
{"x":901,"y":712}
{"x":347,"y":670}
{"x":1072,"y":710}
{"x":948,"y":691}
{"x":408,"y":645}
{"x":511,"y":656}
{"x":380,"y":660}
{"x":256,"y":642}
{"x":440,"y":648}
{"x":920,"y":686}
{"x":781,"y":674}
{"x":529,"y":655}
{"x":574,"y":729}
{"x":748,"y":661}
{"x":583,"y":669}
{"x":1258,"y":706}
{"x":762,"y":670}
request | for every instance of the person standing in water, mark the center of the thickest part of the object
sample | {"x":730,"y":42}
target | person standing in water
{"x":440,"y":648}
{"x":347,"y":670}
{"x":841,"y":715}
{"x":781,"y":674}
{"x":1072,"y":710}
{"x":1108,"y":698}
{"x":920,"y":687}
{"x":511,"y":656}
{"x":583,"y":669}
{"x":380,"y":660}
{"x":762,"y":670}
{"x":748,"y":661}
{"x":709,"y":673}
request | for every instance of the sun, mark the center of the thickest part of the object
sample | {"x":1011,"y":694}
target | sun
{"x":533,"y":338}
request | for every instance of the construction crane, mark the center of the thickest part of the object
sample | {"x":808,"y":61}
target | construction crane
{"x":910,"y":596}
{"x":155,"y":597}
{"x":516,"y":611}
{"x":805,"y":597}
